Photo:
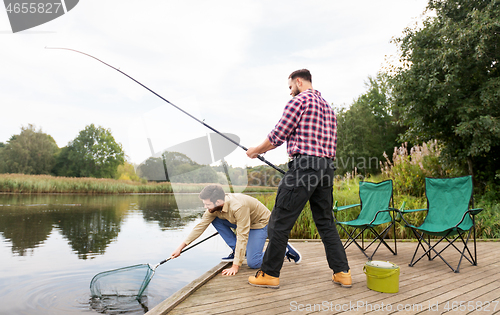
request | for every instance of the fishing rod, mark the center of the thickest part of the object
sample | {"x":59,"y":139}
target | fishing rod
{"x":201,"y":122}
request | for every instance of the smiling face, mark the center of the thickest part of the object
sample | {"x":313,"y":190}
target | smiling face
{"x":211,"y":207}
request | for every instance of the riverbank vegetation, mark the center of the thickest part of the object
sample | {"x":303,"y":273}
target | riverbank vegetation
{"x":438,"y":106}
{"x":407,"y":171}
{"x":346,"y":192}
{"x":38,"y":184}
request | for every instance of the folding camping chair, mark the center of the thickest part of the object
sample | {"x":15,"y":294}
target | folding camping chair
{"x":448,"y":215}
{"x":376,"y":201}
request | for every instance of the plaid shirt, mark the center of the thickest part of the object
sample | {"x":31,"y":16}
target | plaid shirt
{"x":308,"y":125}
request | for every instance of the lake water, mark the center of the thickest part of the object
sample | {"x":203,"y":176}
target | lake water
{"x":51,"y":246}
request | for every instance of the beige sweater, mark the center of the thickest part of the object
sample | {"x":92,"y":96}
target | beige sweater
{"x":245,"y":212}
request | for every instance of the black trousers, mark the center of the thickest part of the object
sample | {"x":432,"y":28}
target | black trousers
{"x":309,"y":178}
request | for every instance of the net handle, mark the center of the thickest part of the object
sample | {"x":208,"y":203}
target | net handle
{"x":186,"y":249}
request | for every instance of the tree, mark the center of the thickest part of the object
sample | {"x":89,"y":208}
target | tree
{"x":448,"y":86}
{"x":264,"y":175}
{"x":367,"y":129}
{"x":126,"y":171}
{"x":177,"y":167}
{"x":30,"y":152}
{"x":94,"y":153}
{"x":152,"y":169}
{"x":63,"y":166}
{"x":2,"y":161}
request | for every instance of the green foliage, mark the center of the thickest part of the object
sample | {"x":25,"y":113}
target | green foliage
{"x":304,"y":226}
{"x":488,"y":220}
{"x":152,"y":169}
{"x":408,"y":170}
{"x":238,"y":175}
{"x":264,"y":175}
{"x":63,"y":166}
{"x":448,"y":85}
{"x":126,"y":171}
{"x":180,"y":168}
{"x":3,"y":167}
{"x":31,"y":184}
{"x":93,"y":153}
{"x":176,"y":167}
{"x":30,"y":152}
{"x":18,"y":183}
{"x":366,"y":129}
{"x":346,"y":192}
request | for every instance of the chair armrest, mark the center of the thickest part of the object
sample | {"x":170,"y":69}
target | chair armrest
{"x":470,"y":212}
{"x":402,"y":211}
{"x":412,"y":210}
{"x":345,"y":207}
{"x":475,"y":211}
{"x":380,"y":211}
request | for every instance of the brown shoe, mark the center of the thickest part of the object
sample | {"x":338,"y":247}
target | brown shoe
{"x":342,"y":278}
{"x":261,"y":279}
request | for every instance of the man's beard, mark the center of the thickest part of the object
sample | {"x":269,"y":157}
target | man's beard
{"x":216,"y":208}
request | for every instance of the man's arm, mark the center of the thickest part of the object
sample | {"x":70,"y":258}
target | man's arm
{"x":178,"y":251}
{"x":286,"y":125}
{"x":195,"y":233}
{"x":242,"y":216}
{"x":261,"y":148}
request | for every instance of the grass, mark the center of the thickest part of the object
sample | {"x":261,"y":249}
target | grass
{"x":346,"y":192}
{"x":38,"y":184}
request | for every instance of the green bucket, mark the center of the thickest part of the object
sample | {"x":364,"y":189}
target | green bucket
{"x":382,"y":276}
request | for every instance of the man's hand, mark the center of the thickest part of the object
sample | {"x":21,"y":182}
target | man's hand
{"x":177,"y":252}
{"x":252,"y":152}
{"x":231,"y":271}
{"x":265,"y":146}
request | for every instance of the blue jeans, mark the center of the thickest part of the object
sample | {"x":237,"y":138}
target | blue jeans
{"x":255,"y":244}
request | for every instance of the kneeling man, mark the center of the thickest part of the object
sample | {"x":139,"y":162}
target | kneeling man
{"x":247,"y":216}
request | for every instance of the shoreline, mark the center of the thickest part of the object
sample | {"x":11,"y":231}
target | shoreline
{"x":123,"y":194}
{"x":48,"y":184}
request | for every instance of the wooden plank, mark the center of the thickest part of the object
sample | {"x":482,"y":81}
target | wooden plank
{"x":174,"y":300}
{"x":488,"y":303}
{"x":310,"y":283}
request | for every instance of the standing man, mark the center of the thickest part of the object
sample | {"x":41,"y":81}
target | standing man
{"x":247,"y":216}
{"x":309,"y":127}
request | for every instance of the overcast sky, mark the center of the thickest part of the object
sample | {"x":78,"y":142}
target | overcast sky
{"x":225,"y":62}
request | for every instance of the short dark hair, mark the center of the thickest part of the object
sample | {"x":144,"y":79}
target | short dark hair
{"x":213,"y":192}
{"x":302,"y":73}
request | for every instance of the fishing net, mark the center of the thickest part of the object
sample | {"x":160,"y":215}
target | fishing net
{"x":127,"y":281}
{"x":115,"y":305}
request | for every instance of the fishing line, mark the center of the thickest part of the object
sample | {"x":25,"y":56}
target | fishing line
{"x":177,"y":107}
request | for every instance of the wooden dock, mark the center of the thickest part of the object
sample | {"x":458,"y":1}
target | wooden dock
{"x":430,"y":287}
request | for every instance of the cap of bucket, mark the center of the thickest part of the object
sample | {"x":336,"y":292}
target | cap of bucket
{"x":381,"y":264}
{"x":382,"y":276}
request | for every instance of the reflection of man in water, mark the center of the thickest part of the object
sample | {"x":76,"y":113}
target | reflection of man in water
{"x":247,"y":216}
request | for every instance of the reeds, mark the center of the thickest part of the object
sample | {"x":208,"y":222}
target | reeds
{"x":346,"y":191}
{"x":37,"y":184}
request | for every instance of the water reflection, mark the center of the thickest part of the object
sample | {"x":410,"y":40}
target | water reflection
{"x":51,"y":246}
{"x":164,"y":210}
{"x":26,"y":228}
{"x":88,"y":231}
{"x":89,"y":223}
{"x":119,"y":305}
